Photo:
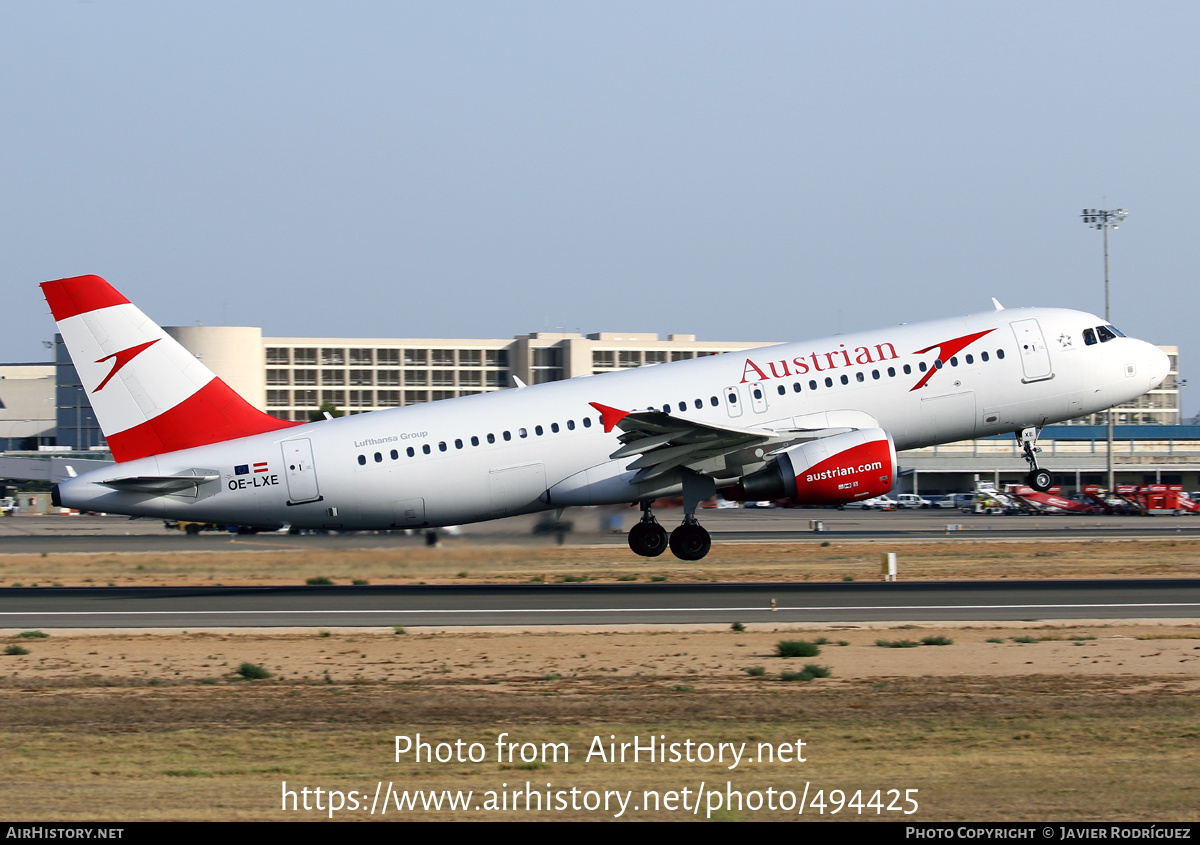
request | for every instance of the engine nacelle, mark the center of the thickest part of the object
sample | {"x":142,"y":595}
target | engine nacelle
{"x":830,"y":471}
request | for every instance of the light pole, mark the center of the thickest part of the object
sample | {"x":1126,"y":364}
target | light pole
{"x":1105,"y":219}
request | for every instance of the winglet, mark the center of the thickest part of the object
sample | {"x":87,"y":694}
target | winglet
{"x":609,"y":416}
{"x":518,"y":382}
{"x":996,"y":302}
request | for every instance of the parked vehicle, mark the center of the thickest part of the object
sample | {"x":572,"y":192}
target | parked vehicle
{"x":879,"y":503}
{"x":955,"y":500}
{"x":912,"y":500}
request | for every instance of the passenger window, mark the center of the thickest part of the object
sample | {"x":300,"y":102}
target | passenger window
{"x":409,"y":451}
{"x":458,"y":444}
{"x":508,"y":435}
{"x":920,"y":366}
{"x":983,"y":356}
{"x":378,"y":458}
{"x":860,"y":377}
{"x":571,"y":425}
{"x":845,"y":379}
{"x":395,"y":455}
{"x":522,"y":433}
{"x":891,"y":372}
{"x":426,"y":449}
{"x":587,"y":422}
{"x":554,"y":427}
{"x":491,"y":438}
{"x":442,"y":446}
{"x":812,"y":384}
{"x":714,"y":401}
{"x":954,"y":361}
{"x":796,"y":387}
{"x":700,"y":404}
{"x":474,"y":440}
{"x":732,"y":397}
{"x":782,"y":390}
{"x":538,"y":430}
{"x":683,"y":406}
{"x":666,"y":409}
{"x":970,"y":359}
{"x":875,"y":374}
{"x":362,"y":460}
{"x":828,"y":381}
{"x":1000,"y":353}
{"x":937,"y":362}
{"x":908,"y":370}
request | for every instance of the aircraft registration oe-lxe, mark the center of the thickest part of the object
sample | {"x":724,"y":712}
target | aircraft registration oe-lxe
{"x":818,"y":422}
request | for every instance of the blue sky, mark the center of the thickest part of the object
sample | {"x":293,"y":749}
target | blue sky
{"x":749,"y":171}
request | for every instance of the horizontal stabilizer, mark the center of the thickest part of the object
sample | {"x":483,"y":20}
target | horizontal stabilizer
{"x":162,"y":484}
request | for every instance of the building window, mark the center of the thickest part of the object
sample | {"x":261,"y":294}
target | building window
{"x":278,"y":398}
{"x":629,"y":358}
{"x":604,"y":359}
{"x":443,"y":357}
{"x":362,"y":377}
{"x":656,"y":356}
{"x":387,"y":377}
{"x":304,"y":357}
{"x":362,"y":356}
{"x":333,"y":377}
{"x":386,"y":357}
{"x":470,"y":378}
{"x":443,"y":378}
{"x":416,"y":378}
{"x":496,"y":358}
{"x":415,"y":357}
{"x":304,"y":377}
{"x":333,"y":357}
{"x":388,"y":398}
{"x":278,"y":356}
{"x":278,"y":376}
{"x":470,"y":357}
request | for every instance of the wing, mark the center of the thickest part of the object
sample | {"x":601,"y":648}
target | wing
{"x":664,"y":442}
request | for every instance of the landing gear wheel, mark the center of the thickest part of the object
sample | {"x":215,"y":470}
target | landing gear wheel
{"x":1040,"y":480}
{"x":648,"y":539}
{"x":690,"y":541}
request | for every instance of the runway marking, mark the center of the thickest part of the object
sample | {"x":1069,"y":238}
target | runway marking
{"x":756,"y":609}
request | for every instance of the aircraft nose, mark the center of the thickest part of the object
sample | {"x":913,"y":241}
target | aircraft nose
{"x":1158,"y":364}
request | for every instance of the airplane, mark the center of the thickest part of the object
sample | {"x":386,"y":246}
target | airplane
{"x":819,"y":422}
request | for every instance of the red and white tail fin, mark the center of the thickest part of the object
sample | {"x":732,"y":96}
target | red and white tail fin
{"x":150,"y":394}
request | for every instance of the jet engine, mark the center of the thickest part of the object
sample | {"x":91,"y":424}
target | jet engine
{"x":831,"y":471}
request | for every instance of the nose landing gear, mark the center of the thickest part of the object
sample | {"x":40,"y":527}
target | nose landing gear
{"x":1039,"y":479}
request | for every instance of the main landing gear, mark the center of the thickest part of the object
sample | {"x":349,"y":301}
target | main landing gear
{"x":689,"y":541}
{"x":1039,"y":479}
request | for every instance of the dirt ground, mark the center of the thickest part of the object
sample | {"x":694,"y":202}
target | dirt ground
{"x":1079,"y":721}
{"x":258,"y":561}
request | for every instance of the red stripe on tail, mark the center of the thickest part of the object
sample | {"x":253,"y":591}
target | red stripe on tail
{"x":79,"y":295}
{"x":213,"y":414}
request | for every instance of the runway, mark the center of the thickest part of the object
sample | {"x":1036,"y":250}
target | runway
{"x":593,"y":604}
{"x":592,"y":526}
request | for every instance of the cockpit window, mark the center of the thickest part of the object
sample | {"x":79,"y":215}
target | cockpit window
{"x":1089,"y":337}
{"x":1115,"y":331}
{"x":1105,"y":334}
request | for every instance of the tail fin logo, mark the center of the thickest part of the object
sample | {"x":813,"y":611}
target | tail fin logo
{"x":120,"y":359}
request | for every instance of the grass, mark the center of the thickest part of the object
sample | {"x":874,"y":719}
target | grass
{"x":15,"y":649}
{"x":896,"y":644}
{"x":32,"y":635}
{"x":810,"y":672}
{"x":797,"y":648}
{"x":398,"y":630}
{"x":253,"y":672}
{"x":756,"y":671}
{"x":319,"y":581}
{"x":1026,"y":640}
{"x":737,"y":627}
{"x":936,"y":640}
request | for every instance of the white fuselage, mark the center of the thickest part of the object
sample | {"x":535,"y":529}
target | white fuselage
{"x":543,"y":446}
